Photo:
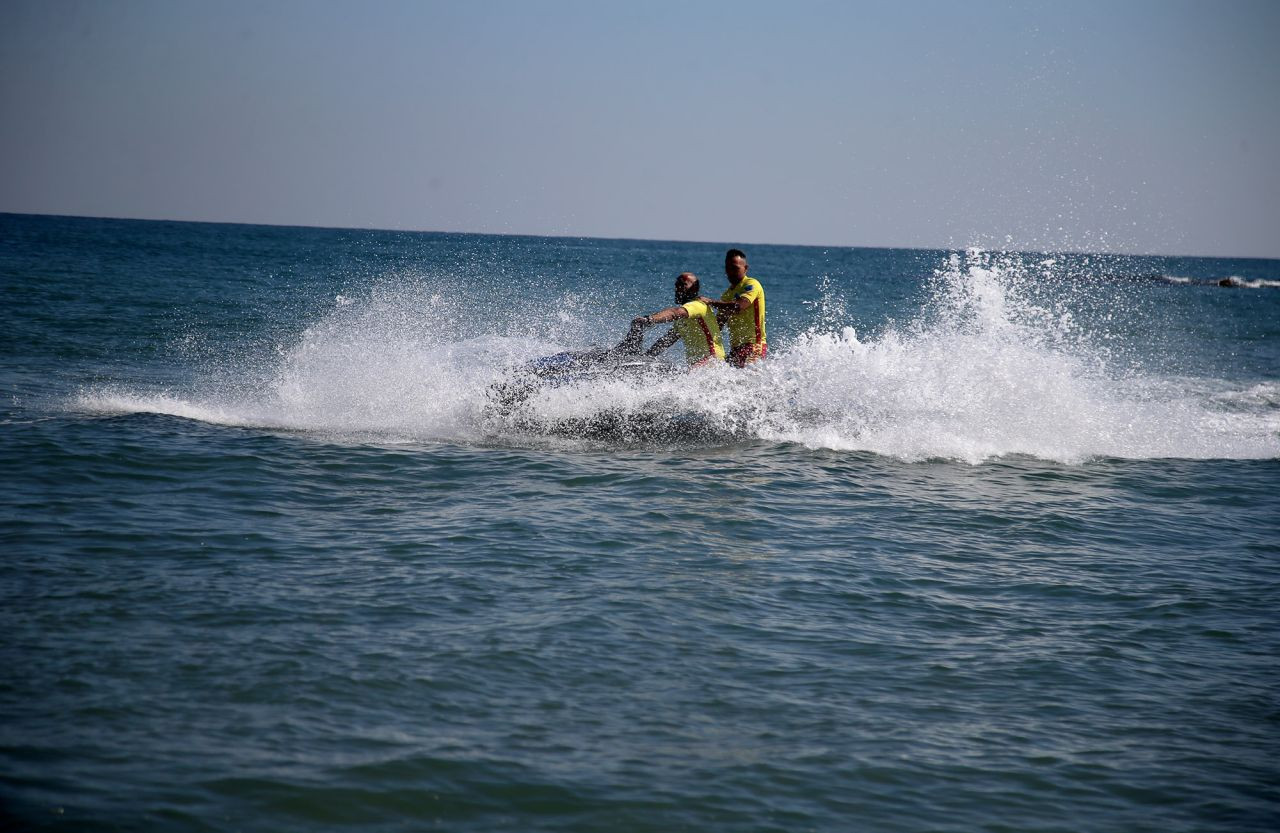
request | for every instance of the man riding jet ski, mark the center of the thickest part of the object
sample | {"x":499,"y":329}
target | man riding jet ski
{"x":693,"y":322}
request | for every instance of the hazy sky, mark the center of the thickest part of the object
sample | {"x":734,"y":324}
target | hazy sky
{"x":1126,"y":125}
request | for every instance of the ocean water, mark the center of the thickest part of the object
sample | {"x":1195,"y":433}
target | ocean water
{"x":990,"y":542}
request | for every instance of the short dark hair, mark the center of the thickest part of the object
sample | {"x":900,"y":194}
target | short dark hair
{"x":732,"y":253}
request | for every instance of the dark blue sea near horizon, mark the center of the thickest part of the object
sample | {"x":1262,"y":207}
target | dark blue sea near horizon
{"x":990,"y":542}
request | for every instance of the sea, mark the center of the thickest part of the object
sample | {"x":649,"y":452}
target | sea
{"x":990,"y":541}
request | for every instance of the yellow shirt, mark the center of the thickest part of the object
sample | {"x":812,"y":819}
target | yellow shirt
{"x":699,"y":333}
{"x":746,"y":326}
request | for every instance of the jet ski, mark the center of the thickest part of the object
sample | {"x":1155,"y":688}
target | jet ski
{"x":577,"y":367}
{"x":654,"y":422}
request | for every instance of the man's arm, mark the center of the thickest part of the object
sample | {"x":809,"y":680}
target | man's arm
{"x":726,"y":306}
{"x":725,"y":309}
{"x":663,"y":316}
{"x":663,"y":343}
{"x":635,"y":336}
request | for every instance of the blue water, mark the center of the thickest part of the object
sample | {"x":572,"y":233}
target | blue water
{"x":990,"y":542}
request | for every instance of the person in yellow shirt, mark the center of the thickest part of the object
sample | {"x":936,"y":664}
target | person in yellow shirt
{"x":693,"y":322}
{"x":742,"y":308}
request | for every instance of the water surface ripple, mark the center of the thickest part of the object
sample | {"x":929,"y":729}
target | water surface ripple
{"x":1009,"y":563}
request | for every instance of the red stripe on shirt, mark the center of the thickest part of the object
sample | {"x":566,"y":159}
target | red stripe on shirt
{"x":711,"y":350}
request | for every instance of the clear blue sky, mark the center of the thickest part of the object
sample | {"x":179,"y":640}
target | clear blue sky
{"x":1131,"y":125}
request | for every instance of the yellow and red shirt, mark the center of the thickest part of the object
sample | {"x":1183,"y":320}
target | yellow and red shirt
{"x":700,"y":334}
{"x":746,"y":326}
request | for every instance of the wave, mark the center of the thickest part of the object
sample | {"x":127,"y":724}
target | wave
{"x":1231,"y":282}
{"x":982,"y":372}
{"x":1245,"y":283}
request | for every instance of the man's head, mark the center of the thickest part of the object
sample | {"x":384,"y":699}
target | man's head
{"x":687,"y":287}
{"x":735,"y":265}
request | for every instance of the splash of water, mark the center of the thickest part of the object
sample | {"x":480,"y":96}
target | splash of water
{"x":983,"y":371}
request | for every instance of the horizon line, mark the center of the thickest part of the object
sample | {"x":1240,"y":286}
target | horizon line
{"x":324,"y":227}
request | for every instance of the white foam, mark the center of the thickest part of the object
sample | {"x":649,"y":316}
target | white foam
{"x":1263,"y":395}
{"x":113,"y":402}
{"x":986,"y":373}
{"x":1245,"y":283}
{"x":981,"y":373}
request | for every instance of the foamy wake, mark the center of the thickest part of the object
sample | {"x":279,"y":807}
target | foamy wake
{"x":982,"y":373}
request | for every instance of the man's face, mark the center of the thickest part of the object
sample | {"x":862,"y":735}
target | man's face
{"x":735,"y":269}
{"x":684,"y":285}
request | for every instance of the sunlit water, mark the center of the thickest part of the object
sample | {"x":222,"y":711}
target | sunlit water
{"x":989,"y":542}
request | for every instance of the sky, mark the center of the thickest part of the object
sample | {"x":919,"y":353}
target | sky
{"x":1143,"y":126}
